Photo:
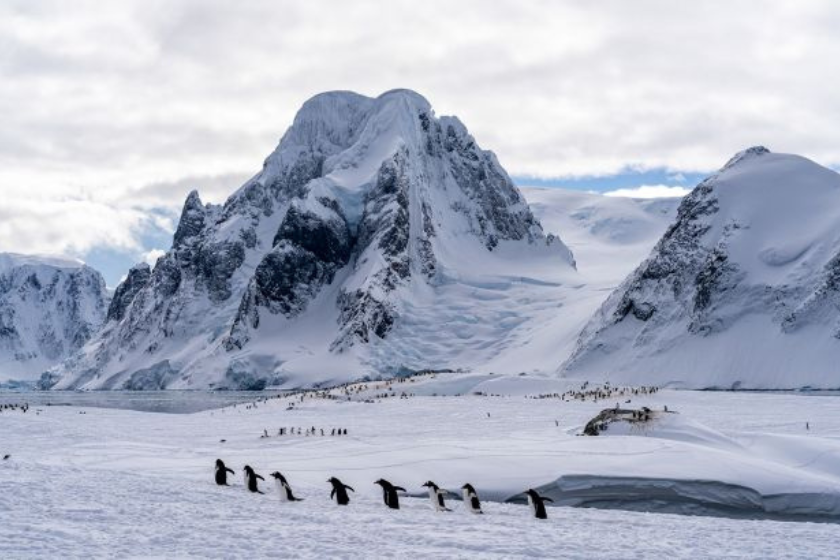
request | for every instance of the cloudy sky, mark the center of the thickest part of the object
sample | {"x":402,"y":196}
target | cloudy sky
{"x":112,"y":111}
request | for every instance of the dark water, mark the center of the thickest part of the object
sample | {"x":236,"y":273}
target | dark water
{"x":172,"y":402}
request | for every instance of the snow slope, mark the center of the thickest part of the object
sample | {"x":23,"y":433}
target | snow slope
{"x":741,"y":291}
{"x":49,"y":307}
{"x":132,"y":484}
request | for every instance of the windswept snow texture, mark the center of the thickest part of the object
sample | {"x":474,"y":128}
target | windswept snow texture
{"x":49,"y":308}
{"x":742,"y":291}
{"x":120,"y":483}
{"x":377,"y":239}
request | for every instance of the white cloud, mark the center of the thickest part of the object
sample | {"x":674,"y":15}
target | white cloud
{"x":650,"y":191}
{"x":104,"y":101}
{"x":151,"y":257}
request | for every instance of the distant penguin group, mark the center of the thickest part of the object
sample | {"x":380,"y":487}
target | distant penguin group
{"x":390,"y":491}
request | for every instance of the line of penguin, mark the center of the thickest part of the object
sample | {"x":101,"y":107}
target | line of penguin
{"x":390,"y":492}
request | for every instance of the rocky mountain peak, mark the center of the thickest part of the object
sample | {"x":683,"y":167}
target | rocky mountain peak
{"x":366,"y":205}
{"x":739,"y":272}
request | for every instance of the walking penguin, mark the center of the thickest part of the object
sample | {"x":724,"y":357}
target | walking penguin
{"x":471,"y":498}
{"x":436,"y":496}
{"x":221,"y":473}
{"x":251,"y":480}
{"x":339,"y":491}
{"x":537,"y":504}
{"x":283,"y":488}
{"x":389,"y":493}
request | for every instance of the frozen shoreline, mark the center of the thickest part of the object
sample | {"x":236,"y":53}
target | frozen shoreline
{"x":151,"y":473}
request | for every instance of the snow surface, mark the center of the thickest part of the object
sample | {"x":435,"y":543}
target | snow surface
{"x":104,"y":482}
{"x":9,"y":261}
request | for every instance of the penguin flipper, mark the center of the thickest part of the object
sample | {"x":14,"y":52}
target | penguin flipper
{"x":229,"y":470}
{"x":258,"y":476}
{"x":349,"y":488}
{"x":400,"y":488}
{"x":548,"y":500}
{"x":332,"y":494}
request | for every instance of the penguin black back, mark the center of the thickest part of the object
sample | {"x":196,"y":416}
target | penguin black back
{"x":251,"y":480}
{"x":284,"y":489}
{"x":436,"y":496}
{"x":538,"y":504}
{"x":471,"y":498}
{"x":389,"y":493}
{"x":339,"y":491}
{"x":221,"y":473}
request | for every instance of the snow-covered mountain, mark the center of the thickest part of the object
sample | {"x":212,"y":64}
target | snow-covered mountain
{"x":743,"y":290}
{"x":49,"y":308}
{"x":377,"y":238}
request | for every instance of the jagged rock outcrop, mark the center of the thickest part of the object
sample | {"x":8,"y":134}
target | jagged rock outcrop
{"x":135,"y":281}
{"x":741,"y":291}
{"x":49,"y":308}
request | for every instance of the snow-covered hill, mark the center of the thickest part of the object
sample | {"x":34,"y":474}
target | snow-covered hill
{"x":743,"y":290}
{"x":49,"y":307}
{"x":377,"y":238}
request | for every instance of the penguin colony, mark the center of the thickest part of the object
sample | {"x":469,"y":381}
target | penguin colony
{"x":375,"y":391}
{"x":390,"y":492}
{"x":378,"y":391}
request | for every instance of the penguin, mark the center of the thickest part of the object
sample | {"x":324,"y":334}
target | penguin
{"x":389,"y":493}
{"x":537,"y":504}
{"x":251,"y":480}
{"x":284,"y":489}
{"x":471,"y":498}
{"x":221,"y":473}
{"x":436,"y":496}
{"x":339,"y":491}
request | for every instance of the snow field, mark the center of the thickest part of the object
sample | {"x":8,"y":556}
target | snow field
{"x":123,"y":483}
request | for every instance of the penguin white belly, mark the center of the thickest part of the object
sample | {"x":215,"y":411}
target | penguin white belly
{"x":532,"y":504}
{"x":469,"y":498}
{"x":281,"y":490}
{"x":433,"y":498}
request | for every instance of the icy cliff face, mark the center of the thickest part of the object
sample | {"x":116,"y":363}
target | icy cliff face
{"x":49,"y":308}
{"x":315,"y":268}
{"x":741,"y":291}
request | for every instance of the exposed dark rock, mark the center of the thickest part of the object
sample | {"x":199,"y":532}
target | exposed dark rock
{"x":192,"y":220}
{"x":136,"y":280}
